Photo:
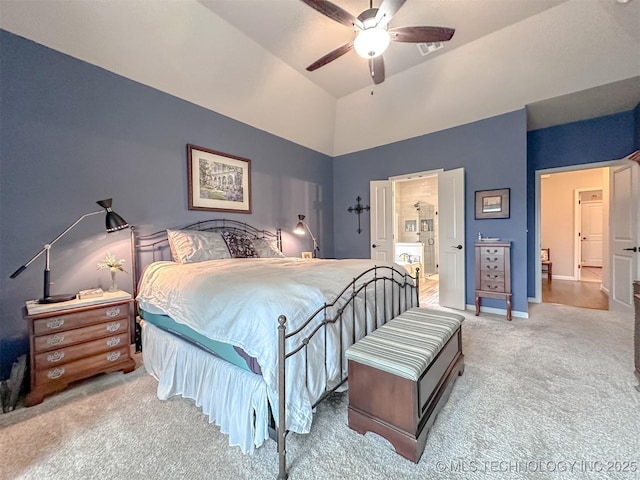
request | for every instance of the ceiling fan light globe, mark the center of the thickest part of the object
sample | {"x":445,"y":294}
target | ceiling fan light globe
{"x":372,"y":42}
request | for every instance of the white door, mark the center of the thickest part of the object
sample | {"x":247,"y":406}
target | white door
{"x":381,"y":214}
{"x":591,"y":234}
{"x":624,"y":236}
{"x":451,"y":239}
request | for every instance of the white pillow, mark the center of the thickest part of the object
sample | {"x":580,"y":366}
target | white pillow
{"x":266,"y":249}
{"x":189,"y":246}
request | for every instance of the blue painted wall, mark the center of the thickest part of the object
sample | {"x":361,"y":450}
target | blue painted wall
{"x":72,"y":133}
{"x":493,"y":153}
{"x":589,"y":141}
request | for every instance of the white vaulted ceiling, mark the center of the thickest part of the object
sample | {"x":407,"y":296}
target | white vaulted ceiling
{"x":246,"y":59}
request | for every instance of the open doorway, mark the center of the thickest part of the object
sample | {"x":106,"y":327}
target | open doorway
{"x":416,"y":237}
{"x":573,"y":229}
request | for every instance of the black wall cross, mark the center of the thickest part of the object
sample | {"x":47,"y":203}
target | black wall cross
{"x":359,"y":208}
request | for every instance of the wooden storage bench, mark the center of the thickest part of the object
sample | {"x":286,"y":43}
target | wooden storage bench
{"x":401,"y":374}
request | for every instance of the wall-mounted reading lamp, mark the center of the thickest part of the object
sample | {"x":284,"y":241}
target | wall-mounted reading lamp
{"x":300,"y":230}
{"x":114,"y":222}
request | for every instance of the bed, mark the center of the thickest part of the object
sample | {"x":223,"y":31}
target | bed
{"x":257,"y":339}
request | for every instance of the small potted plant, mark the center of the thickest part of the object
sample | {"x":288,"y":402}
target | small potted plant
{"x":113,"y":265}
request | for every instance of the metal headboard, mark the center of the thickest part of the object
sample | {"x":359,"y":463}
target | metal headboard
{"x":157,"y":244}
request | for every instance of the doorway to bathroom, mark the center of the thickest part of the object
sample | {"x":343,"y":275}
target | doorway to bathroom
{"x":416,"y":236}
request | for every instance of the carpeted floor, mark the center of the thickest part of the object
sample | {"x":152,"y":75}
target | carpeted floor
{"x":552,"y":396}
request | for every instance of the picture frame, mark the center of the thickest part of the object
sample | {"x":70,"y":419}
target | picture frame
{"x":307,"y":255}
{"x":218,"y":182}
{"x":492,"y":203}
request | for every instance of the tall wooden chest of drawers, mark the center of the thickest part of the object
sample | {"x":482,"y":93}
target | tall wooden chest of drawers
{"x":73,"y":340}
{"x":493,"y":273}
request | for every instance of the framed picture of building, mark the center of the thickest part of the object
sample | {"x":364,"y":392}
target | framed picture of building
{"x":218,"y":182}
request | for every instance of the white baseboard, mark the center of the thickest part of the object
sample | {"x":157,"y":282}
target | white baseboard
{"x":499,"y":311}
{"x":563,"y":277}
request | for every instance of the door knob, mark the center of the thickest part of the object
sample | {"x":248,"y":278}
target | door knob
{"x":459,"y":247}
{"x":374,"y":245}
{"x":632,"y":249}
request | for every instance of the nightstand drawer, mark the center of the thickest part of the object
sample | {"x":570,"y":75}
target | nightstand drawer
{"x":492,"y":251}
{"x":62,"y":339}
{"x":488,"y":263}
{"x":489,"y":286}
{"x":69,"y":354}
{"x":492,"y":276}
{"x":70,"y":321}
{"x":79,"y":369}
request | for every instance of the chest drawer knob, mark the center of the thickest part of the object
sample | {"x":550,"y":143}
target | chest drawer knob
{"x":54,"y":323}
{"x":113,"y":341}
{"x":113,"y":327}
{"x":113,"y":356}
{"x":55,"y":357}
{"x":55,"y":373}
{"x":494,"y":267}
{"x":55,"y":340}
{"x":113,"y":312}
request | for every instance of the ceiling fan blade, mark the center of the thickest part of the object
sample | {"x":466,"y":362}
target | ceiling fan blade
{"x":330,"y":57}
{"x":376,"y":69}
{"x":421,"y":34}
{"x":333,"y":11}
{"x":388,"y":9}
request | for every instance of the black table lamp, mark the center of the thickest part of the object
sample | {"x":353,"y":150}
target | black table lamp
{"x":300,"y":230}
{"x":114,"y":222}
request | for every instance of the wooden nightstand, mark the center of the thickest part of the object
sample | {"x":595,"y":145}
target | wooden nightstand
{"x":73,"y":340}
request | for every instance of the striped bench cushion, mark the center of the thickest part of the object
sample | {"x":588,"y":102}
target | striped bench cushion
{"x":407,"y":344}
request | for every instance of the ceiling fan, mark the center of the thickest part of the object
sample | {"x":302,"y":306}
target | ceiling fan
{"x":373,"y":34}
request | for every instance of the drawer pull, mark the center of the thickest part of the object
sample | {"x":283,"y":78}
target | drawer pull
{"x":493,"y":276}
{"x":55,"y":373}
{"x":113,"y":327}
{"x":55,"y":357}
{"x":113,"y":341}
{"x":113,"y":312}
{"x":113,"y":356}
{"x":495,"y":267}
{"x":492,"y":259}
{"x":55,"y":340}
{"x":55,"y":323}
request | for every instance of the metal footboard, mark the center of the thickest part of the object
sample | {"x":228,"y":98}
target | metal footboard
{"x":400,"y":291}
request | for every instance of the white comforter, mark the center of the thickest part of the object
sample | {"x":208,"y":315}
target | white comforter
{"x":238,"y":301}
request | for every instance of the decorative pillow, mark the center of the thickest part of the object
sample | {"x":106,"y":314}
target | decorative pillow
{"x":266,"y":249}
{"x":239,"y":246}
{"x":189,"y":246}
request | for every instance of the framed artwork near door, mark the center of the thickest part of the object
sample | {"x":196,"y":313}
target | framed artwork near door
{"x":492,"y":203}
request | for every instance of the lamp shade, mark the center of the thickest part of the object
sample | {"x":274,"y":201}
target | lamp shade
{"x":113,"y":221}
{"x":299,"y":230}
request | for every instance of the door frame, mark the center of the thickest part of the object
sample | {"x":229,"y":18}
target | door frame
{"x":577,"y":230}
{"x":538,"y":206}
{"x":405,"y":178}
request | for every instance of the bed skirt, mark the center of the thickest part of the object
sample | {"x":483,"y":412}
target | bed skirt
{"x":240,"y":409}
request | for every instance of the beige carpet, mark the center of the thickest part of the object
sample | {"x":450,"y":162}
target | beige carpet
{"x":548,"y":397}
